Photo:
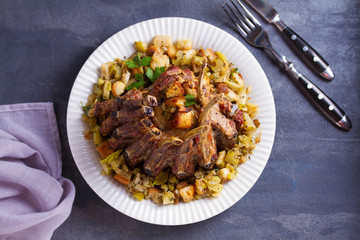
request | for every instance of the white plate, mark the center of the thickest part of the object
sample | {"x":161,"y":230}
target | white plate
{"x":121,"y":44}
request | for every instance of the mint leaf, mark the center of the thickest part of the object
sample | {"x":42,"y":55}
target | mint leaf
{"x":131,"y":64}
{"x":145,"y":62}
{"x":150,"y":74}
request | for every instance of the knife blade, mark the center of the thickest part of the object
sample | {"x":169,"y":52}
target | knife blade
{"x":307,"y":53}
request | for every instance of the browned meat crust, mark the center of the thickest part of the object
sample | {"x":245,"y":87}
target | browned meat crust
{"x":198,"y":147}
{"x":232,"y":111}
{"x":165,"y":79}
{"x":162,"y":156}
{"x":103,"y":109}
{"x":129,"y":133}
{"x":138,"y":151}
{"x":224,"y":128}
{"x":131,"y":124}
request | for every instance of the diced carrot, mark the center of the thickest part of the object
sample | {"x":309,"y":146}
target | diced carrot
{"x":121,"y":179}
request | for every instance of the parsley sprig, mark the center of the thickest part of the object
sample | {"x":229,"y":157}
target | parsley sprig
{"x":140,"y":82}
{"x":190,"y":100}
{"x":153,"y":75}
{"x":138,"y":62}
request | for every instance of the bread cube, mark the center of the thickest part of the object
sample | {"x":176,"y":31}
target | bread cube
{"x":187,"y":193}
{"x":162,"y":43}
{"x":159,"y":61}
{"x":184,"y":119}
{"x":118,"y":88}
{"x":184,"y":44}
{"x":175,"y":89}
{"x":175,"y":102}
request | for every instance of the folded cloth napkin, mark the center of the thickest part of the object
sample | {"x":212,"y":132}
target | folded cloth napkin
{"x":34,"y":198}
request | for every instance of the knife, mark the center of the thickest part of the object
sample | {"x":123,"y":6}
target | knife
{"x":310,"y":57}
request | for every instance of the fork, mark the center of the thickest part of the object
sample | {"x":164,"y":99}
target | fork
{"x":251,"y":30}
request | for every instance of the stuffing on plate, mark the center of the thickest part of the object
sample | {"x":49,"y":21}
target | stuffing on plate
{"x":171,"y":123}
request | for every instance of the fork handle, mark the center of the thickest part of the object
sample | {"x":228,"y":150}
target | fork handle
{"x":315,"y":95}
{"x":307,"y":53}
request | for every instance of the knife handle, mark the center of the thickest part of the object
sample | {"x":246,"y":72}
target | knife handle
{"x":314,"y":94}
{"x":307,"y":53}
{"x":324,"y":103}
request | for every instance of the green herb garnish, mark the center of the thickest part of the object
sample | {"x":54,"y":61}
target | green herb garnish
{"x":131,"y":64}
{"x":85,"y":108}
{"x":139,"y":77}
{"x":140,"y":82}
{"x":138,"y":62}
{"x":190,"y":100}
{"x":137,"y":59}
{"x":145,"y":62}
{"x":149,"y":73}
{"x":153,"y":75}
{"x":135,"y":85}
{"x":158,"y":71}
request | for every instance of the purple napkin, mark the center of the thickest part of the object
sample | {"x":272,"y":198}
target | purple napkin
{"x":34,"y":198}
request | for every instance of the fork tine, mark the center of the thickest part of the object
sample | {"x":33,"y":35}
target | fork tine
{"x":249,"y":15}
{"x":235,"y":20}
{"x":244,"y":20}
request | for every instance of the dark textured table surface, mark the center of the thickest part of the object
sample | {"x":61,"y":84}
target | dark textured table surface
{"x":310,"y":186}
